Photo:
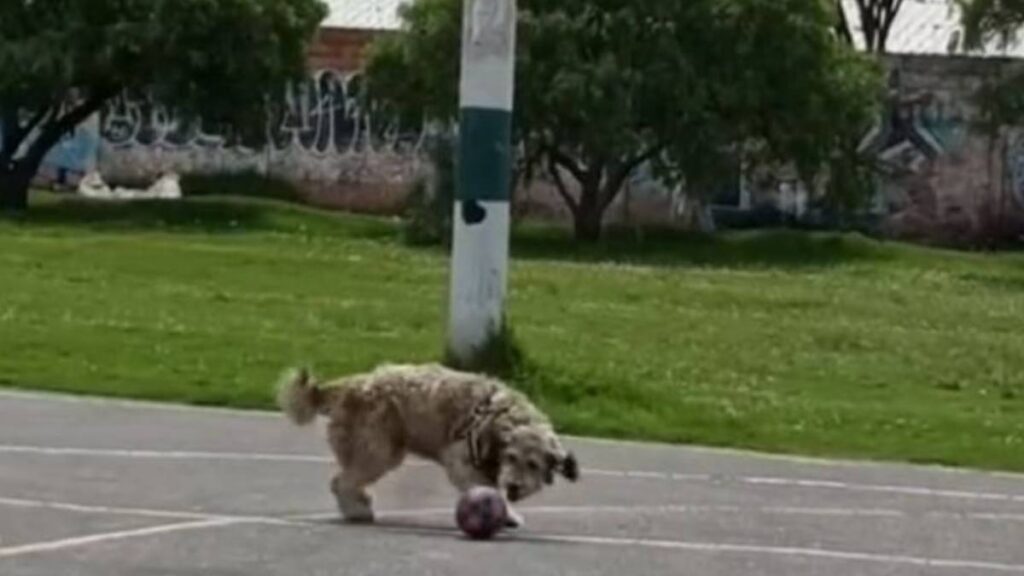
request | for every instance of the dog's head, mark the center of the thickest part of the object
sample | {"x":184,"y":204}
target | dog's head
{"x":531,"y":457}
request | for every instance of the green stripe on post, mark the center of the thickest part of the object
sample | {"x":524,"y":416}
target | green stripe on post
{"x":485,"y":154}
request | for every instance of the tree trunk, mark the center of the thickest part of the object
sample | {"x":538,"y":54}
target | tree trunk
{"x":14,"y":185}
{"x":589,"y":215}
{"x":16,"y":175}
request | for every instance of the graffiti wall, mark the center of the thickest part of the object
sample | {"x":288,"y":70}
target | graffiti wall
{"x":324,"y":141}
{"x":941,"y":178}
{"x":917,"y":128}
{"x":75,"y":155}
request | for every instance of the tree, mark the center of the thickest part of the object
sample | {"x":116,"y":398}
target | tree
{"x":605,"y":86}
{"x":988,"y":22}
{"x":62,"y":60}
{"x":876,"y":19}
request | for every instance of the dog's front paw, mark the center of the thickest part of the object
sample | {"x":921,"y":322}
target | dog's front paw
{"x":356,"y":508}
{"x":359,"y":517}
{"x":514,"y":520}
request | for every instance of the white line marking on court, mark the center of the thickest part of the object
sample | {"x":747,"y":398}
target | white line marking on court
{"x":142,"y":512}
{"x":797,"y":459}
{"x":812,"y":483}
{"x":621,"y":509}
{"x":200,"y":521}
{"x":112,"y":536}
{"x":700,"y":509}
{"x":162,"y":455}
{"x":780,"y":551}
{"x":128,"y":403}
{"x":801,"y":483}
{"x":641,"y":475}
{"x":884,"y":488}
{"x":118,"y":511}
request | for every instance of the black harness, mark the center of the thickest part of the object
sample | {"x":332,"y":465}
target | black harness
{"x":475,"y":427}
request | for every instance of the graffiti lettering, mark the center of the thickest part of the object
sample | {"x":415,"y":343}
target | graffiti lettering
{"x":323,"y":116}
{"x":321,"y":137}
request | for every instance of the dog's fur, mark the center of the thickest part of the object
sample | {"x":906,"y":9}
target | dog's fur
{"x":478,"y":429}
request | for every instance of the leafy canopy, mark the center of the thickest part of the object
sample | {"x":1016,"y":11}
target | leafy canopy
{"x":61,"y":60}
{"x":604,"y":85}
{"x":987,"y":20}
{"x":876,"y":20}
{"x":987,"y":23}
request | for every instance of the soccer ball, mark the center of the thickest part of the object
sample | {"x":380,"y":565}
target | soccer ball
{"x":481,"y":513}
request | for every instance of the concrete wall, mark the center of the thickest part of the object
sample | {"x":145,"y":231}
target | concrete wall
{"x":945,"y":178}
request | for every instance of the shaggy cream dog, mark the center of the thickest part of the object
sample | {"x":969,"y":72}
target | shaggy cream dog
{"x":478,"y":429}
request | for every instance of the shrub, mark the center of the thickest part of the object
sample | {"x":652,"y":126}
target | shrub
{"x":428,"y":211}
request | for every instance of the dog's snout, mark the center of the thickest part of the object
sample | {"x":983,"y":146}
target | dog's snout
{"x":514,"y":492}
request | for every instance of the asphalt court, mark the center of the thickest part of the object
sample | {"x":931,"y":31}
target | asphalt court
{"x":101,"y":488}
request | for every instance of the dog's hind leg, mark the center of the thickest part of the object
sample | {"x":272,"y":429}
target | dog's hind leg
{"x":364,"y":457}
{"x":354,"y":502}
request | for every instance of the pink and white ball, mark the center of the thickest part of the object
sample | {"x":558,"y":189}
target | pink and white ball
{"x":481,"y":513}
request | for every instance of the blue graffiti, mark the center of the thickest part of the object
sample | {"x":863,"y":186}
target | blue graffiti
{"x":75,"y":152}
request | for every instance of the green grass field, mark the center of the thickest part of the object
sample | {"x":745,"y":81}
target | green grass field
{"x":811,"y":344}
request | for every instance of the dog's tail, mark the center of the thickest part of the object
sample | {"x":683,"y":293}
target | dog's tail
{"x":298,"y":396}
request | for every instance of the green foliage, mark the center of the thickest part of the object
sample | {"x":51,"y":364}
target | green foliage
{"x":985,"y":21}
{"x":1001,"y":99}
{"x":502,"y":356}
{"x":415,"y":73}
{"x":62,"y":60}
{"x":428,"y":213}
{"x":852,"y":179}
{"x":602,"y":87}
{"x":876,"y":18}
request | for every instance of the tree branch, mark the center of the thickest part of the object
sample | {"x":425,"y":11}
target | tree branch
{"x":563,"y":191}
{"x":843,"y":28}
{"x":876,"y":20}
{"x":54,"y":129}
{"x":867,"y":23}
{"x":890,"y":17}
{"x":42,"y":114}
{"x":619,"y":176}
{"x":566,"y":162}
{"x":8,"y":118}
{"x":14,"y":133}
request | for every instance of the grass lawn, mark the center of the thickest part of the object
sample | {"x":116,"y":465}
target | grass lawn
{"x":811,"y":344}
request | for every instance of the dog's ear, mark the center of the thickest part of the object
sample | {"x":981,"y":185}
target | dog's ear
{"x":565,"y":464}
{"x":497,"y":440}
{"x":489,"y":445}
{"x":485,"y":443}
{"x":570,"y":468}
